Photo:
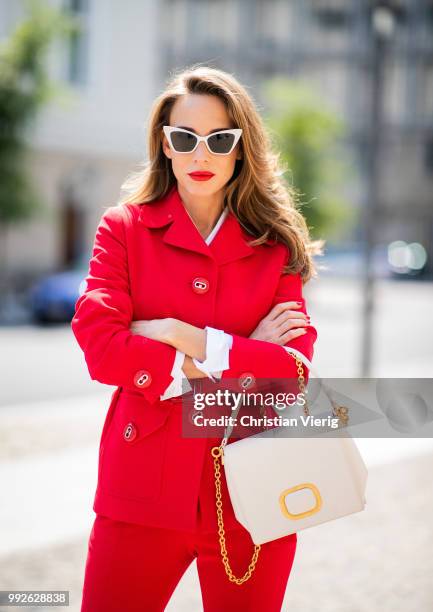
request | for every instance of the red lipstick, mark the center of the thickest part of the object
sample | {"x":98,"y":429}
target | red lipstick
{"x":201,"y":175}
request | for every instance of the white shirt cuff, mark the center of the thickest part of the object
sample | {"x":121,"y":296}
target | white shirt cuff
{"x":218,"y":345}
{"x":176,"y":388}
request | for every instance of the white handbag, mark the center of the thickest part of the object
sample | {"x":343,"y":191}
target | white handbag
{"x":279,"y":485}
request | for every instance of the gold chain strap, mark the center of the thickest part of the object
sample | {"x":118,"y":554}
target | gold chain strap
{"x":217,"y":452}
{"x":339,"y":411}
{"x":301,"y":381}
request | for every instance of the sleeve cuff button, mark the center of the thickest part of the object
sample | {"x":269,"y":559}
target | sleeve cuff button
{"x":142,"y":379}
{"x":246,"y":380}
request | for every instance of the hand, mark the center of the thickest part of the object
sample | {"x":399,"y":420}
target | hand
{"x":156,"y":329}
{"x":282,"y":324}
{"x":190,"y":370}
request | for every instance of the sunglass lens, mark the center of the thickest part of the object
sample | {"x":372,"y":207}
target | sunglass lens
{"x":221,"y":143}
{"x":182,"y":141}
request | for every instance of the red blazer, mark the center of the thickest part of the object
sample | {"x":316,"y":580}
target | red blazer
{"x":149,"y":261}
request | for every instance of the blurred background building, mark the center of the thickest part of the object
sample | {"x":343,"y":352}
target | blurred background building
{"x":329,"y":43}
{"x":84,"y":146}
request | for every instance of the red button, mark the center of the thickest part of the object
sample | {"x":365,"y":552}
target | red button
{"x":142,"y":379}
{"x":246,"y":380}
{"x":200,"y":285}
{"x":130,"y":432}
{"x":191,"y":415}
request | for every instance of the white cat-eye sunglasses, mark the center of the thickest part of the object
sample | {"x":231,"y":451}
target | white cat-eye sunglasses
{"x":219,"y":143}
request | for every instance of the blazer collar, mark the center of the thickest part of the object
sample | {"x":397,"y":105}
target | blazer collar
{"x":229,"y":244}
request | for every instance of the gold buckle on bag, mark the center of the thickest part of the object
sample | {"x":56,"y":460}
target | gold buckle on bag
{"x":300,"y":515}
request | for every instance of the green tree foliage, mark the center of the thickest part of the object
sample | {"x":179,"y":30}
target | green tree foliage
{"x":309,"y":136}
{"x":24,"y":88}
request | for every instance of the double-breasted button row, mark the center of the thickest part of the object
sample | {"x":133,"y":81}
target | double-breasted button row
{"x":142,"y":379}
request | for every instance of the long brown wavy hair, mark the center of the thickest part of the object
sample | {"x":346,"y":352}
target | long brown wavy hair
{"x":256,"y":194}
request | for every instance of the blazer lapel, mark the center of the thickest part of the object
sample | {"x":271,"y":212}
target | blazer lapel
{"x":229,"y":244}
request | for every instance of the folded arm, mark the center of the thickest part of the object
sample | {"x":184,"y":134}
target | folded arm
{"x":238,"y":355}
{"x":268,"y":359}
{"x":103,"y":315}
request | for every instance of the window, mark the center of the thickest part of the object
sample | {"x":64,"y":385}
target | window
{"x":77,"y":61}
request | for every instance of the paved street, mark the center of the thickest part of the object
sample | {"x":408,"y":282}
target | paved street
{"x":51,"y":415}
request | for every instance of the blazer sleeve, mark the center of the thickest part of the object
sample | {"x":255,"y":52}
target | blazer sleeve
{"x":265,"y":359}
{"x":103,"y":314}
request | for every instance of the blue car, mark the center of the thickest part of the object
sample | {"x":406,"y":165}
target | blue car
{"x":52,"y":298}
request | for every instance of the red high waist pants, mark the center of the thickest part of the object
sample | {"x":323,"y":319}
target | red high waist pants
{"x":136,"y":568}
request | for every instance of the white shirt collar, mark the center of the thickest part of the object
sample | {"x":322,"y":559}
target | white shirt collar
{"x":217,"y":226}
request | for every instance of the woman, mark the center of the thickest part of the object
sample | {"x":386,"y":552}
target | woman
{"x":197,"y":273}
